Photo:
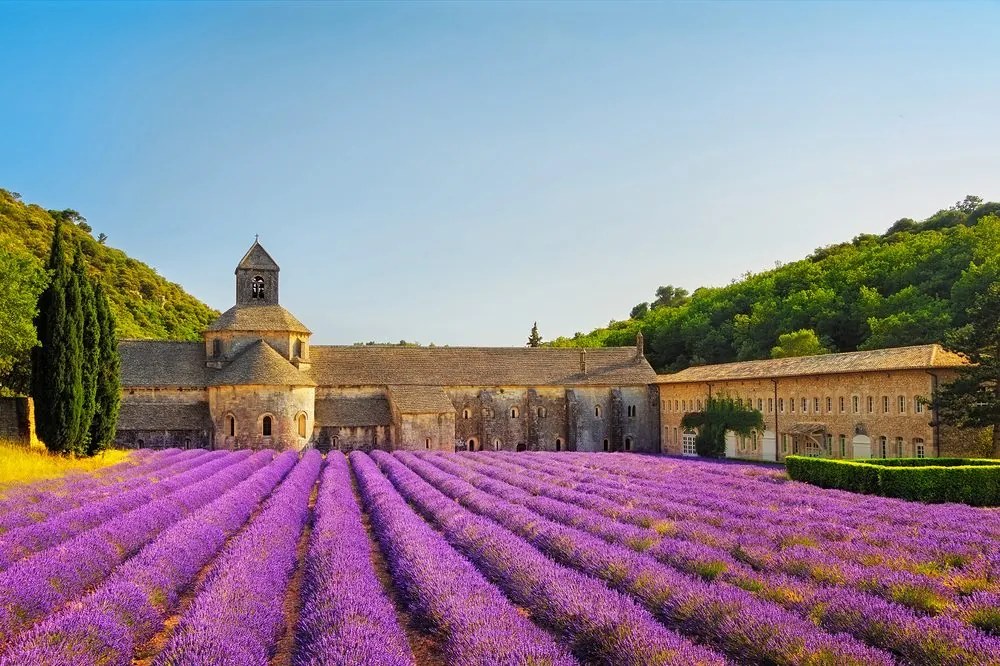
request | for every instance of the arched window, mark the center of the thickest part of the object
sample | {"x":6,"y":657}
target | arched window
{"x":514,"y":413}
{"x":496,"y":444}
{"x":521,"y":447}
{"x":466,"y":413}
{"x":187,"y":442}
{"x":302,"y":425}
{"x":472,"y":444}
{"x":336,"y":443}
{"x":558,"y":445}
{"x":232,"y":425}
{"x":597,"y":411}
{"x":266,"y":426}
{"x":628,"y":443}
{"x":607,"y":445}
{"x":139,"y":443}
{"x":298,"y":348}
{"x":257,"y":287}
{"x":427,"y":443}
{"x":541,"y":412}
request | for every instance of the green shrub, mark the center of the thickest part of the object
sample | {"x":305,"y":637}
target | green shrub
{"x":975,"y":482}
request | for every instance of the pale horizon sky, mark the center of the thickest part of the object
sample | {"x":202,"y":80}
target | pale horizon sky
{"x":452,"y":172}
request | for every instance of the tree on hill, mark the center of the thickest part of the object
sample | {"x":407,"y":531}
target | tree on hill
{"x":973,"y":398}
{"x":534,"y":339}
{"x":108,"y":393}
{"x":23,"y":281}
{"x":803,"y":342}
{"x":721,"y":415}
{"x":56,"y":376}
{"x":639,"y":311}
{"x":670,"y":296}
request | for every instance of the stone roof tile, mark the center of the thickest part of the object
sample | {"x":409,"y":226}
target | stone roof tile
{"x":258,"y":318}
{"x":875,"y":360}
{"x":259,"y":364}
{"x":164,"y":416}
{"x":257,"y":258}
{"x":420,"y":400}
{"x":162,"y":363}
{"x":349,"y":412}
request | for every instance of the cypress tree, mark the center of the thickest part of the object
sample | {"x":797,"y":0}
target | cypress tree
{"x":56,"y":380}
{"x":90,"y":348}
{"x":108,"y":396}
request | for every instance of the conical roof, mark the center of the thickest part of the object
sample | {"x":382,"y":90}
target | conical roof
{"x":258,"y":318}
{"x":260,"y":364}
{"x":257,"y":259}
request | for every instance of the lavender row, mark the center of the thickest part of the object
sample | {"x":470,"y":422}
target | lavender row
{"x":23,"y":541}
{"x":238,"y":614}
{"x":600,"y":624}
{"x":132,"y":604}
{"x":476,"y":622}
{"x":38,"y":585}
{"x":346,"y":616}
{"x":884,"y":571}
{"x":745,"y":628}
{"x":917,"y":638}
{"x":28,"y":505}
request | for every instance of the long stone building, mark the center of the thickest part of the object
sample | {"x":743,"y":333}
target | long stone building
{"x":256,"y":381}
{"x":868,"y":404}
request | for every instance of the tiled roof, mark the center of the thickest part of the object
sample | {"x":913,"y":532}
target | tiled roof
{"x":260,"y":364}
{"x":162,"y":363}
{"x":349,"y":412}
{"x":476,"y":366}
{"x":875,"y":360}
{"x":164,"y":416}
{"x":420,"y":400}
{"x":258,"y":318}
{"x":257,"y":258}
{"x":168,"y":364}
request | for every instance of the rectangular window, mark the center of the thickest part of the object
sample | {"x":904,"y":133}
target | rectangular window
{"x":885,"y":404}
{"x":770,"y":405}
{"x":871,"y":404}
{"x":855,"y":402}
{"x":840,"y":400}
{"x":901,"y":403}
{"x":918,"y":448}
{"x":684,"y":405}
{"x":791,"y":405}
{"x":784,"y":443}
{"x":899,"y":447}
{"x":805,"y":405}
{"x":760,"y":405}
{"x":829,"y":405}
{"x":918,"y":406}
{"x":883,"y":444}
{"x":688,"y":447}
{"x":816,"y":405}
{"x":781,"y":405}
{"x":843,"y":446}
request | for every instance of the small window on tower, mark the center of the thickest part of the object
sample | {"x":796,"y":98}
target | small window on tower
{"x":257,"y":287}
{"x":266,"y":427}
{"x":216,"y":347}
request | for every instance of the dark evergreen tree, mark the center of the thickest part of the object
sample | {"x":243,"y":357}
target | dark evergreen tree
{"x":90,"y":347}
{"x":108,"y":397}
{"x":56,"y":380}
{"x":973,"y":398}
{"x":534,"y":340}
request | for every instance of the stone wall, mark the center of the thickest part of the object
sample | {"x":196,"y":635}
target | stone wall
{"x":249,"y":405}
{"x":17,"y":421}
{"x":352,"y":438}
{"x":859,"y":407}
{"x":163,"y":439}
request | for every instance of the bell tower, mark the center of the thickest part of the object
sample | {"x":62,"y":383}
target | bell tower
{"x":257,"y":278}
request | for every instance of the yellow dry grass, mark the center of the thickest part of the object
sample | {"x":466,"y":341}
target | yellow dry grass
{"x":23,"y":464}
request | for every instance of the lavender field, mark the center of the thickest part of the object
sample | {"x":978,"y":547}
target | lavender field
{"x":194,"y":557}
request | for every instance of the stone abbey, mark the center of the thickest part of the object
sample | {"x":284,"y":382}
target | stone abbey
{"x":256,"y":381}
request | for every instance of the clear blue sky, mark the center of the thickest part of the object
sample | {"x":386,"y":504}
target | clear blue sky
{"x":451,"y":173}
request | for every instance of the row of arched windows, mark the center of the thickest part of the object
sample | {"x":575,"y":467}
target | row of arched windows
{"x":267,"y":425}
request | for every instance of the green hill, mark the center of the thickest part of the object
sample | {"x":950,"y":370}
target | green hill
{"x":907,"y":286}
{"x":145,"y":304}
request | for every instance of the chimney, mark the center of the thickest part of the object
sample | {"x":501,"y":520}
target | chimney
{"x":583,"y":361}
{"x":638,"y":346}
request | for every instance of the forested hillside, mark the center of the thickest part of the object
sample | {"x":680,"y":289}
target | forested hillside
{"x":145,"y":305}
{"x":907,"y":286}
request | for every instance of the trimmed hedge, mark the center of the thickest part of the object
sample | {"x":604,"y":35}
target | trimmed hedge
{"x":974,"y":482}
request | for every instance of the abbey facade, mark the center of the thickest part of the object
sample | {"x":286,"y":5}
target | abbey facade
{"x":256,"y":381}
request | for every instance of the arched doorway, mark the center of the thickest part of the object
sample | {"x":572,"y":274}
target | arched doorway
{"x":471,"y":444}
{"x":558,"y":445}
{"x":628,"y":443}
{"x":862,"y":446}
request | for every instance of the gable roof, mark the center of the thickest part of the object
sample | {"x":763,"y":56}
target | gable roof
{"x":164,"y":416}
{"x":255,"y":318}
{"x":162,"y":363}
{"x":352,"y":411}
{"x":420,"y":400}
{"x":875,"y":360}
{"x":477,"y":366}
{"x":259,"y":364}
{"x":257,"y":258}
